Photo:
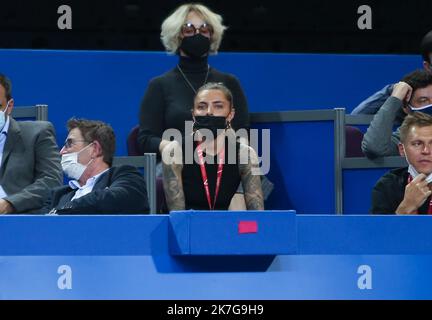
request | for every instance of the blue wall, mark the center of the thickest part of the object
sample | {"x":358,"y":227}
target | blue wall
{"x":109,"y":85}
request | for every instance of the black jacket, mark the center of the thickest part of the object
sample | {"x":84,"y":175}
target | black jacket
{"x":389,"y":192}
{"x":120,"y":190}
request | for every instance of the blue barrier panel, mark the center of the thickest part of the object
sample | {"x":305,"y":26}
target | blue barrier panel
{"x":223,"y":233}
{"x":127,"y":257}
{"x":109,"y":85}
{"x":357,"y":189}
{"x":301,"y":166}
{"x":356,"y":234}
{"x":82,"y":235}
{"x":279,"y":82}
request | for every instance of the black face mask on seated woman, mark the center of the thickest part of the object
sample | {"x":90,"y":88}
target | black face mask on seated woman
{"x":212,"y":123}
{"x":195,"y":46}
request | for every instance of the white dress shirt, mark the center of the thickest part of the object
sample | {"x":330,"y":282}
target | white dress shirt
{"x":85,"y":189}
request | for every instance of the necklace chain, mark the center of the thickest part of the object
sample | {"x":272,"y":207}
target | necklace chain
{"x":188,"y":82}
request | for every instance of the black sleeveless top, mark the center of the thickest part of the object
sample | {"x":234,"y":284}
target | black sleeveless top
{"x":193,"y":187}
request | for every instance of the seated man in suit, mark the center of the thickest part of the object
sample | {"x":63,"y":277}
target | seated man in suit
{"x":96,"y":186}
{"x":408,"y":190}
{"x":29,"y":159}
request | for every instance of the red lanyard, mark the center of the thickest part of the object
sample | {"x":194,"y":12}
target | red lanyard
{"x":204,"y":175}
{"x":430,"y":202}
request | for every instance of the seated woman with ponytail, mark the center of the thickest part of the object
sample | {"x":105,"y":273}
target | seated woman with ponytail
{"x":208,"y":166}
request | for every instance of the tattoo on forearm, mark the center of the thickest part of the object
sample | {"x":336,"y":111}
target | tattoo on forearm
{"x":251,"y":183}
{"x":173,"y":186}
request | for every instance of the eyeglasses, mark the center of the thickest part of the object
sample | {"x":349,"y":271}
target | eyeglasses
{"x":70,"y":142}
{"x":189,"y":30}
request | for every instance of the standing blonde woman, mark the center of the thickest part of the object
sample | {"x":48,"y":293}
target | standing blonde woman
{"x":192,"y":32}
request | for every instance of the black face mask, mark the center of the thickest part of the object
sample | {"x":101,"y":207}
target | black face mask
{"x":212,"y":123}
{"x":195,"y":46}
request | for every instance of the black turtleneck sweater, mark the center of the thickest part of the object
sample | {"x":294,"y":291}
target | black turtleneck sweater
{"x":168,"y":101}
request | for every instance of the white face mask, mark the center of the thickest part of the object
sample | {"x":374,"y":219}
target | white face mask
{"x":413,"y":172}
{"x":3,"y":116}
{"x":70,"y":165}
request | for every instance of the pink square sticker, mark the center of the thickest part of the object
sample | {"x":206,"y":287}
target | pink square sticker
{"x":247,"y":227}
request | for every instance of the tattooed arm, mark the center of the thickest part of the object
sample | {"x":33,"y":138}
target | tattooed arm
{"x":251,"y":179}
{"x":172,"y":176}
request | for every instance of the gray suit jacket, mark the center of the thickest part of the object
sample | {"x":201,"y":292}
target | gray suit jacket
{"x":30,"y":165}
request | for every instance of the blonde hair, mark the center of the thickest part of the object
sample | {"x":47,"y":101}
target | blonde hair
{"x":171,"y":27}
{"x":414,"y":119}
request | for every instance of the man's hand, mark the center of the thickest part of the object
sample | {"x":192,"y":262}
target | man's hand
{"x":402,"y":91}
{"x":6,"y":207}
{"x":416,"y":193}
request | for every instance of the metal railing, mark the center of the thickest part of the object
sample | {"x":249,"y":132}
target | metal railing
{"x":37,"y":112}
